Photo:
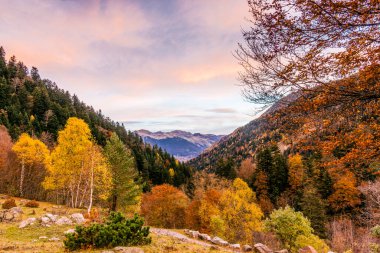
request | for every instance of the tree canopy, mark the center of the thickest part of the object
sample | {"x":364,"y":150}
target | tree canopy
{"x":303,"y":45}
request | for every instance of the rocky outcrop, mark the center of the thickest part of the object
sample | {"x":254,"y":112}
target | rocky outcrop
{"x":70,"y":231}
{"x":219,"y":241}
{"x":27,"y":222}
{"x":64,"y":221}
{"x":77,"y":218}
{"x":204,"y":237}
{"x":235,"y":246}
{"x":307,"y":249}
{"x":261,"y":248}
{"x":247,"y":248}
{"x":10,"y":215}
{"x":128,"y":250}
{"x":49,"y":219}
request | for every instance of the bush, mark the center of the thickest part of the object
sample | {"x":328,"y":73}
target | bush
{"x":293,"y":230}
{"x":165,"y":207}
{"x":117,"y":231}
{"x":32,"y":204}
{"x":375,"y":231}
{"x":93,"y":215}
{"x":9,"y":203}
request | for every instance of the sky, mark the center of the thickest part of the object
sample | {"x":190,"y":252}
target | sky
{"x":151,"y":64}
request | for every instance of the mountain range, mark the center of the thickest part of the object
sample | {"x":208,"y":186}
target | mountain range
{"x":182,"y":145}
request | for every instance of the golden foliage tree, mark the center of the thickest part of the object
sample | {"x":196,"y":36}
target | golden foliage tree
{"x":29,"y":151}
{"x":240,"y":213}
{"x":78,"y":168}
{"x":165,"y":206}
{"x":296,"y":171}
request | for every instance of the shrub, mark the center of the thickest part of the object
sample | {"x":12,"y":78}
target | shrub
{"x":32,"y":204}
{"x":375,"y":231}
{"x":117,"y":231}
{"x":293,"y":230}
{"x":9,"y":203}
{"x":165,"y":207}
{"x":93,"y":215}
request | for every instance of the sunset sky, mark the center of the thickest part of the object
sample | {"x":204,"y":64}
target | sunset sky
{"x":152,"y":64}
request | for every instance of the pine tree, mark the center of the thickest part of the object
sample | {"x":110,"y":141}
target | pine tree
{"x":125,"y":189}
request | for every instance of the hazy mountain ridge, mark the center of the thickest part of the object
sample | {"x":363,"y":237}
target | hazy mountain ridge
{"x":183,"y":145}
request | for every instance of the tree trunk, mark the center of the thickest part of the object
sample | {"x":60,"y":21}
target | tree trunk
{"x":80,"y":179}
{"x":22,"y":177}
{"x":114,"y":202}
{"x":91,"y":183}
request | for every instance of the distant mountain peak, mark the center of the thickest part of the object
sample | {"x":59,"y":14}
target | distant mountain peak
{"x":181,"y":144}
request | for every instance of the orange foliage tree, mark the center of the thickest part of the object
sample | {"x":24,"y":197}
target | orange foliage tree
{"x":296,"y":171}
{"x":5,"y":146}
{"x":345,"y":195}
{"x":302,"y":44}
{"x":164,"y":206}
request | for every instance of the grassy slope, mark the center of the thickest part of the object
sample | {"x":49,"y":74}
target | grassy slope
{"x":13,"y":239}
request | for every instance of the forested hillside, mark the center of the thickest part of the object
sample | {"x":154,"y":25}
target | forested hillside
{"x":37,"y":106}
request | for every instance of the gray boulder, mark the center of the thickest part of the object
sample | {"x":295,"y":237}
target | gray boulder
{"x":52,"y":217}
{"x":247,"y":248}
{"x":45,"y":220}
{"x":64,"y":221}
{"x":235,"y":246}
{"x":219,"y":241}
{"x":261,"y":248}
{"x":128,"y":250}
{"x":27,"y":222}
{"x":16,"y":210}
{"x":204,"y":237}
{"x":77,"y":218}
{"x":70,"y":231}
{"x":307,"y":249}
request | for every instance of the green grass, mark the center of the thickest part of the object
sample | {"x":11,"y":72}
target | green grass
{"x":26,"y":240}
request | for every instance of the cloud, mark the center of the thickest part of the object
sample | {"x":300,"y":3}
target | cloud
{"x":139,"y":61}
{"x":222,"y":110}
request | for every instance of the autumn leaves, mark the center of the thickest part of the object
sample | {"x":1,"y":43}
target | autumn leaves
{"x":78,"y":171}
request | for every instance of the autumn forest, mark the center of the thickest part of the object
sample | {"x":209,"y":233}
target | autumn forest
{"x":302,"y":176}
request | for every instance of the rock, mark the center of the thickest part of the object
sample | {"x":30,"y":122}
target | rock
{"x":43,"y":238}
{"x":194,"y":234}
{"x":128,"y":250}
{"x":52,"y":217}
{"x":27,"y":222}
{"x":77,"y":218}
{"x":12,"y":214}
{"x":307,"y":249}
{"x":219,"y":241}
{"x":247,"y":248}
{"x":64,"y":221}
{"x":54,"y":239}
{"x":108,"y":251}
{"x":204,"y":237}
{"x":261,"y":248}
{"x":45,"y":220}
{"x":282,"y":251}
{"x":16,"y":210}
{"x":235,"y":246}
{"x":70,"y":231}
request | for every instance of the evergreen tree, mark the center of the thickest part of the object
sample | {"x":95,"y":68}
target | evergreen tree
{"x":125,"y":188}
{"x":225,"y":168}
{"x":314,"y":208}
